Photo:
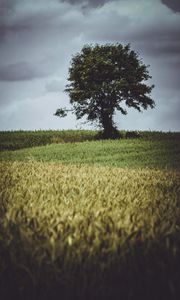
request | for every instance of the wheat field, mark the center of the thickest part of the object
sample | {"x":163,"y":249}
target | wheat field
{"x":88,"y":232}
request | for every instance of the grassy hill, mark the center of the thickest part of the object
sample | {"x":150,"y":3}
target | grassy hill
{"x":153,"y":150}
{"x":14,"y":140}
{"x":91,"y":220}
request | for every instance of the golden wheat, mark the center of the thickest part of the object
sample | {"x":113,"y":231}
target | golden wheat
{"x":90,"y":203}
{"x":64,"y":218}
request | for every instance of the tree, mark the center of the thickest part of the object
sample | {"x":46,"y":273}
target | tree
{"x":102,"y":79}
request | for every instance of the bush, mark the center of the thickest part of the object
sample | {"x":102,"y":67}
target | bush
{"x":133,"y":134}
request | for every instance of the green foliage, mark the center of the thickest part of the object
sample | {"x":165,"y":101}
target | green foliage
{"x":88,"y":232}
{"x":61,"y":112}
{"x":102,"y":79}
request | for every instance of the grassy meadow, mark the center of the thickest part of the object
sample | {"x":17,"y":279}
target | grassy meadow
{"x":14,"y":140}
{"x":90,"y":219}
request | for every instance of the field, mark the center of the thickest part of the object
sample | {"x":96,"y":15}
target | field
{"x":91,"y":220}
{"x":13,"y":140}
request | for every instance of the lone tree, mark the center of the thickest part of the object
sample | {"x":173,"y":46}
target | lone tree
{"x":103,"y":78}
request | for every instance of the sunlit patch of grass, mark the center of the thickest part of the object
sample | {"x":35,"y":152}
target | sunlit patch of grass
{"x":133,"y":153}
{"x":85,"y":232}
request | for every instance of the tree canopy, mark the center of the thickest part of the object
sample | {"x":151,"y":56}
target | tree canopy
{"x":104,"y":79}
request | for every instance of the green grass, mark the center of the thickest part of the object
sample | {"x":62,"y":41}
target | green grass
{"x":90,"y":219}
{"x":13,"y":140}
{"x":133,"y":153}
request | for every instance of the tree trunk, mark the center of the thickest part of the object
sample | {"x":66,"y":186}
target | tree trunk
{"x":109,"y":130}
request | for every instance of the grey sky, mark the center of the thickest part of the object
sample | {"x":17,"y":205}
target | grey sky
{"x":39,"y":37}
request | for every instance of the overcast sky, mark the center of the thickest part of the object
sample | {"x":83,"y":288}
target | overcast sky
{"x":39,"y":37}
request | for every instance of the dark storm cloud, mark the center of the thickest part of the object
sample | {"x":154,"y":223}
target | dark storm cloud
{"x":156,"y":35}
{"x":33,"y":37}
{"x":173,"y":4}
{"x":19,"y":72}
{"x":12,"y":20}
{"x":7,"y":7}
{"x":93,"y":3}
{"x":25,"y":17}
{"x":163,"y":42}
{"x":6,"y":30}
{"x":32,"y":18}
{"x":6,"y":10}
